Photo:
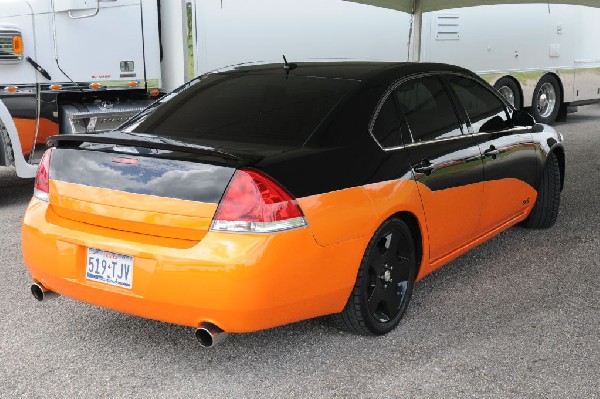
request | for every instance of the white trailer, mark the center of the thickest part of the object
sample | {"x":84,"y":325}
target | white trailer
{"x":230,"y":32}
{"x":542,"y":56}
{"x":81,"y":66}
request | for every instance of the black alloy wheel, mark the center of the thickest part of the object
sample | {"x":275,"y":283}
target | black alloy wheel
{"x":384,"y":283}
{"x":545,"y":211}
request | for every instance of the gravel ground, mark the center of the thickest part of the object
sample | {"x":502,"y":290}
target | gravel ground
{"x":517,"y":317}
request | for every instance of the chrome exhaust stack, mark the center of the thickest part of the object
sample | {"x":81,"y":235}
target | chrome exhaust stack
{"x":41,"y":293}
{"x":210,"y":335}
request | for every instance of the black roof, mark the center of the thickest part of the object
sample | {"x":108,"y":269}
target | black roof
{"x":354,"y":70}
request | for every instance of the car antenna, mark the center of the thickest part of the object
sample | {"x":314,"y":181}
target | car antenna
{"x":288,"y":66}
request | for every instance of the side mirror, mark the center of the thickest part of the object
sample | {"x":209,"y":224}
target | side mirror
{"x":522,"y":118}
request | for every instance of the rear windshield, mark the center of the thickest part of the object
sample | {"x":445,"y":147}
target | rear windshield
{"x":255,"y":109}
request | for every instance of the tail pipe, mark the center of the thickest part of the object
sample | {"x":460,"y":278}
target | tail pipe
{"x":41,"y":293}
{"x":210,"y":335}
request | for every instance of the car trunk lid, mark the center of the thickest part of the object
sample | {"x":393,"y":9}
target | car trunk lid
{"x":138,"y":193}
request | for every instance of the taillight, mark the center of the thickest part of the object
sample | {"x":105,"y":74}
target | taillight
{"x":254,"y":203}
{"x":42,"y":177}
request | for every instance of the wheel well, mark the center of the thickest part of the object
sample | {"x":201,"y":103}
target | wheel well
{"x":516,"y":82}
{"x":560,"y":157}
{"x":413,"y":224}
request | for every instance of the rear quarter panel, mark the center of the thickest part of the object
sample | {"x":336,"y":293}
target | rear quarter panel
{"x":339,"y":216}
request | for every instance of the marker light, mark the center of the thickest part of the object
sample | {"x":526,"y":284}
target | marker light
{"x":11,"y":89}
{"x":55,"y":87}
{"x":154,"y":93}
{"x":133,"y":84}
{"x":255,"y":203}
{"x":95,"y":86}
{"x":17,"y":43}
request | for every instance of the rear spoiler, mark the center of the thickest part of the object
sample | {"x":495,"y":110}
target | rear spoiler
{"x":150,"y":142}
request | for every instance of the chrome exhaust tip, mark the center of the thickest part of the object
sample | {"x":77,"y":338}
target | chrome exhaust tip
{"x":210,"y":335}
{"x":41,"y":293}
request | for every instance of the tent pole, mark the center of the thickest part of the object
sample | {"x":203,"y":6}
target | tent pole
{"x":417,"y":29}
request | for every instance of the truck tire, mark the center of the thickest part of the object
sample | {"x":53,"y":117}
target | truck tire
{"x":384,"y":282}
{"x":7,"y":157}
{"x":546,"y":100}
{"x":510,"y":91}
{"x":545,"y":211}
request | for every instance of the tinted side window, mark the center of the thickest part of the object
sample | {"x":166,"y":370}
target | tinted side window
{"x":486,"y":111}
{"x":389,"y":125}
{"x":428,"y":109}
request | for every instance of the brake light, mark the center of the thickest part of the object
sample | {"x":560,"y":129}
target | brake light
{"x":42,"y":177}
{"x":255,"y":203}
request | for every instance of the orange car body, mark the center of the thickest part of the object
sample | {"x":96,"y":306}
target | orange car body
{"x":240,"y":282}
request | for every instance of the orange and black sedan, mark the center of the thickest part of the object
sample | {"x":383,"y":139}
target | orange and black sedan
{"x":263,"y":195}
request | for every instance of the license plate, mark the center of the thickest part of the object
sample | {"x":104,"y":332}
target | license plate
{"x":109,"y":267}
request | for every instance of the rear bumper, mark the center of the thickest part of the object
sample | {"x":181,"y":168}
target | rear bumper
{"x":238,"y":282}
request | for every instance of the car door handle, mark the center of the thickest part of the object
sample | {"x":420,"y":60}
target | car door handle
{"x":491,"y":152}
{"x":424,"y":167}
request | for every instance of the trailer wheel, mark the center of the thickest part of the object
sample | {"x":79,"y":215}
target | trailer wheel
{"x":7,"y":157}
{"x":546,"y":100}
{"x":510,"y":90}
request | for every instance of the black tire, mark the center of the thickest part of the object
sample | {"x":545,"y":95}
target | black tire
{"x":510,"y":90}
{"x":7,"y":157}
{"x":545,"y":211}
{"x":546,"y":102}
{"x":373,"y":308}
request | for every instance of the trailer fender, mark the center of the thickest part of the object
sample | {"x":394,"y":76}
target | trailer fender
{"x":24,"y":168}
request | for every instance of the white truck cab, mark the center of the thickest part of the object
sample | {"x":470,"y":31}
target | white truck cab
{"x":72,"y":66}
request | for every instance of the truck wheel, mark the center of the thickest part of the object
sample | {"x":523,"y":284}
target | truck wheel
{"x":384,"y":283}
{"x":7,"y":157}
{"x":546,"y":100}
{"x":510,"y":90}
{"x":545,"y":211}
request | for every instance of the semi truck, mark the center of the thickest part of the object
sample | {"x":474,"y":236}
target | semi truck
{"x":72,"y":66}
{"x":84,"y":66}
